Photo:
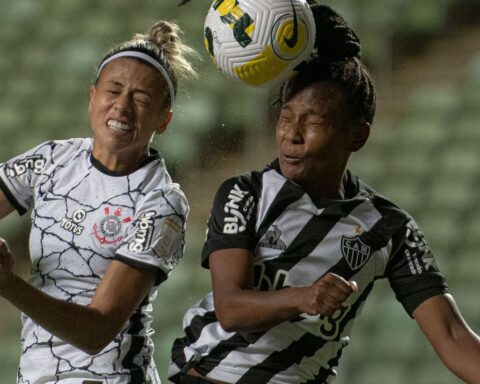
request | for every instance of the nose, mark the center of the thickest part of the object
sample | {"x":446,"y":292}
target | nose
{"x":293,"y":132}
{"x":123,"y":104}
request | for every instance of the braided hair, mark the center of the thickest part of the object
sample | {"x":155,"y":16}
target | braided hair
{"x":335,"y":60}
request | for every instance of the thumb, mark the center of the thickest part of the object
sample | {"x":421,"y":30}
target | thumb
{"x":353,"y":285}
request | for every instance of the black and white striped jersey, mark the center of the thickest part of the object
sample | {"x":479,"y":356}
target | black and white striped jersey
{"x":83,"y":217}
{"x":295,"y":241}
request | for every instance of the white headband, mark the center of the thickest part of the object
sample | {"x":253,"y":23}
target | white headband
{"x":148,"y":59}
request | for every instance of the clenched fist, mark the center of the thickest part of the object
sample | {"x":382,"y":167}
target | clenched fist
{"x":328,"y":294}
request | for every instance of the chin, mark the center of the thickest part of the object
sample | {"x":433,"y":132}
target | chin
{"x":293,"y":173}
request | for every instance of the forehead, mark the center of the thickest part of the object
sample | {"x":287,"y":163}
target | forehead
{"x":319,"y":97}
{"x":126,"y":71}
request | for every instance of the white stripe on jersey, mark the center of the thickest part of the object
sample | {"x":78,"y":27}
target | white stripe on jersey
{"x":295,"y":242}
{"x":328,"y":253}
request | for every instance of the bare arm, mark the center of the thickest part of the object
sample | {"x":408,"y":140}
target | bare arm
{"x":89,"y":328}
{"x":5,"y":207}
{"x":240,"y":308}
{"x":456,"y":344}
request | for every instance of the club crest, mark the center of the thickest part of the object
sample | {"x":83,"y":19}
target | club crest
{"x":355,"y":251}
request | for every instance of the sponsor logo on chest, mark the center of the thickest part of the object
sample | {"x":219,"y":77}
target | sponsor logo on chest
{"x":72,"y":224}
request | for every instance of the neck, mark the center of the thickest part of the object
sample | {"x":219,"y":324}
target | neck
{"x":330,"y":187}
{"x":120,"y":162}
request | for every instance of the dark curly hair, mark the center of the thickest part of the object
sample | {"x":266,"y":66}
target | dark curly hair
{"x":335,"y":60}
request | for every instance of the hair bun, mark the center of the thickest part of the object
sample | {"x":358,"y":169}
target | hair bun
{"x":334,"y":39}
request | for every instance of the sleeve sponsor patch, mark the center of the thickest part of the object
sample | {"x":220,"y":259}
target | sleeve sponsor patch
{"x":417,"y":252}
{"x":34,"y":163}
{"x":170,"y":237}
{"x":144,"y":233}
{"x":238,"y":209}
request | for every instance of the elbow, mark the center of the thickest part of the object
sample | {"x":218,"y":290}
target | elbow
{"x":229,"y":320}
{"x":229,"y":326}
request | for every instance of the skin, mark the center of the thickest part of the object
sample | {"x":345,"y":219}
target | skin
{"x":314,"y":145}
{"x":129,"y":93}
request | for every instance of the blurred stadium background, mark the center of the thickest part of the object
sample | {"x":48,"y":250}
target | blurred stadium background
{"x":424,"y":151}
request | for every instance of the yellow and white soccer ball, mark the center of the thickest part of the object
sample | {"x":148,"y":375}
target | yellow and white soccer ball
{"x":259,"y":42}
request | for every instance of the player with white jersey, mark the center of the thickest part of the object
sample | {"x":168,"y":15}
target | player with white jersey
{"x":294,"y":250}
{"x":108,"y":225}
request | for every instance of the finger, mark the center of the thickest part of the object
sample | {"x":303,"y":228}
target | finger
{"x":341,"y":283}
{"x":4,"y":245}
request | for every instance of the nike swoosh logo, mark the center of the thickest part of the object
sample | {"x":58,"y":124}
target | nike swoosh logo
{"x":292,"y":41}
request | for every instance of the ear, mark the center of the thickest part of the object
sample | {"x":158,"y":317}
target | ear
{"x":90,"y":101}
{"x":163,"y":125}
{"x":360,"y":136}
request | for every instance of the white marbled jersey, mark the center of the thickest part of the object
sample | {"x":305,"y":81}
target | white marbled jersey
{"x":83,"y":217}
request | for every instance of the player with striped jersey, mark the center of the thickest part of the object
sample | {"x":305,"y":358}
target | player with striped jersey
{"x":294,"y":250}
{"x":108,"y":225}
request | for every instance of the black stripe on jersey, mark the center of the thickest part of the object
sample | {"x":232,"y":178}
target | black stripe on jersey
{"x":222,"y":349}
{"x":137,"y":372}
{"x":288,"y":194}
{"x":194,"y":330}
{"x":306,"y":346}
{"x":392,"y":217}
{"x":312,"y":234}
{"x":11,"y":199}
{"x":192,"y":333}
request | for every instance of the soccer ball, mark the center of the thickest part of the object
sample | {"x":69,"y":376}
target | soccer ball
{"x":259,"y":42}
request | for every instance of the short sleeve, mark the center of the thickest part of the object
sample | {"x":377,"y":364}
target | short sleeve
{"x":232,"y":219}
{"x":412,"y":270}
{"x":19,"y":176}
{"x":156,"y":236}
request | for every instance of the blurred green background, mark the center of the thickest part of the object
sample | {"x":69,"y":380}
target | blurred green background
{"x":423,"y":153}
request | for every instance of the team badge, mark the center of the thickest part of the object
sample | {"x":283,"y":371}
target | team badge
{"x":355,"y":251}
{"x":108,"y":230}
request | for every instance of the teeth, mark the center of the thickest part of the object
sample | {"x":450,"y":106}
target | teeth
{"x":118,"y":126}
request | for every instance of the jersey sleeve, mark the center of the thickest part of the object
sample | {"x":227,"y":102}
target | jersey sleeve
{"x":19,"y":176}
{"x":412,"y":270}
{"x":232,"y":219}
{"x":156,"y":237}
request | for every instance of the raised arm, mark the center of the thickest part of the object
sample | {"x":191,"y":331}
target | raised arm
{"x":89,"y":328}
{"x":241,"y":308}
{"x":455,"y":343}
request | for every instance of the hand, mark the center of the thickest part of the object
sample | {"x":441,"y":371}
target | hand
{"x":328,"y":294}
{"x":6,"y":263}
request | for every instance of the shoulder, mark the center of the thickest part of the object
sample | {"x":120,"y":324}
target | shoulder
{"x":384,"y":205}
{"x":158,"y":189}
{"x":56,"y":151}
